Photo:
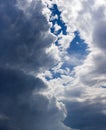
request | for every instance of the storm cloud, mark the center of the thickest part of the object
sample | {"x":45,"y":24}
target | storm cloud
{"x":24,"y":35}
{"x":39,"y":87}
{"x":24,"y":38}
{"x":86,"y":115}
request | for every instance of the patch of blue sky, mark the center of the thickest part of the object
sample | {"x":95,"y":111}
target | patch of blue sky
{"x":66,"y":65}
{"x":58,"y":20}
{"x":78,"y":46}
{"x":77,"y":51}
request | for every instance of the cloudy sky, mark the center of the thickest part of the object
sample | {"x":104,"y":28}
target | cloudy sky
{"x":52,"y":65}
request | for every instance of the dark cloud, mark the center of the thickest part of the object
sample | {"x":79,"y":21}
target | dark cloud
{"x":24,"y":38}
{"x":18,"y":100}
{"x":86,"y":115}
{"x":13,"y":82}
{"x":22,"y":107}
{"x":99,"y":35}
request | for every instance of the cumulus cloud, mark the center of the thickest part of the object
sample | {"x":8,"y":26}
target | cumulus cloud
{"x":86,"y":115}
{"x":23,"y":107}
{"x":24,"y":38}
{"x":99,"y":35}
{"x":86,"y":108}
{"x":89,"y":18}
{"x":26,"y":48}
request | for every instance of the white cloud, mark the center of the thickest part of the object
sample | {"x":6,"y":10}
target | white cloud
{"x":84,"y":84}
{"x":88,"y":18}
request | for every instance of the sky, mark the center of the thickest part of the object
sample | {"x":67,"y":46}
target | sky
{"x":52,"y":65}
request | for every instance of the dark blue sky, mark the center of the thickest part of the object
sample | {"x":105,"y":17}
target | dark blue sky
{"x":55,"y":11}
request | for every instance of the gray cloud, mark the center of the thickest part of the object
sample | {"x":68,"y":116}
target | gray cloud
{"x":86,"y":115}
{"x":99,"y":35}
{"x":16,"y":90}
{"x":23,"y":39}
{"x":22,"y":107}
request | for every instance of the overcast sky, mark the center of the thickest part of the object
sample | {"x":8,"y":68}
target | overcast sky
{"x":52,"y":65}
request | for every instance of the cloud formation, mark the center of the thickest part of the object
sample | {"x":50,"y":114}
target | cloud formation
{"x":27,"y":51}
{"x":83,"y":88}
{"x":24,"y":38}
{"x":86,"y":115}
{"x":24,"y":107}
{"x":21,"y":33}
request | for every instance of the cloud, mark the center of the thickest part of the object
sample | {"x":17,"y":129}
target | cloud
{"x":86,"y":115}
{"x":88,"y":17}
{"x":85,"y":107}
{"x":16,"y":90}
{"x":99,"y":35}
{"x":24,"y":39}
{"x":26,"y":48}
{"x":24,"y":107}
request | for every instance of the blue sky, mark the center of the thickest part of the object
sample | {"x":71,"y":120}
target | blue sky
{"x":77,"y":45}
{"x":77,"y":48}
{"x":55,"y":11}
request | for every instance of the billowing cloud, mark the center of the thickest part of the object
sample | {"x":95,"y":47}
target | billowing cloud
{"x":43,"y":85}
{"x":99,"y":35}
{"x":24,"y":107}
{"x":86,"y":115}
{"x":24,"y":36}
{"x":86,"y":108}
{"x":83,"y":86}
{"x":24,"y":39}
